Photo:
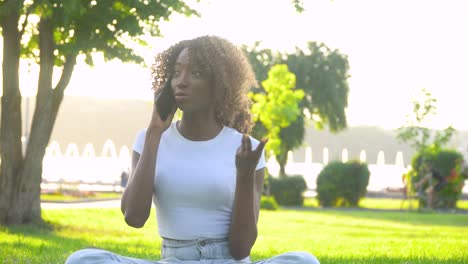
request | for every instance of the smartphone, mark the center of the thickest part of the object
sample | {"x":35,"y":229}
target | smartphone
{"x":165,"y":101}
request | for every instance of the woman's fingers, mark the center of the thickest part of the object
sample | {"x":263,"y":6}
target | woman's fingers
{"x":261,"y":146}
{"x":245,"y":142}
{"x":247,"y":145}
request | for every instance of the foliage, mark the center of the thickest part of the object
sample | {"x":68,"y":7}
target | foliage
{"x":268,"y":203}
{"x":450,"y":165}
{"x":87,"y":27}
{"x":413,"y":132}
{"x":342,"y":184}
{"x":288,"y":190}
{"x":429,"y":146}
{"x":322,"y":74}
{"x":299,"y":5}
{"x":278,"y":107}
{"x":291,"y":137}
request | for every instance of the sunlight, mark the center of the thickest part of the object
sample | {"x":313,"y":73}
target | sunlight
{"x":394,"y":48}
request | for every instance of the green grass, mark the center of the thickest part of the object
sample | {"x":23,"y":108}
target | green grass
{"x":55,"y":197}
{"x":334,"y":236}
{"x":384,"y":203}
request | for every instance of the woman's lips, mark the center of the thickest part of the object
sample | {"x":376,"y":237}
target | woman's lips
{"x":180,"y":97}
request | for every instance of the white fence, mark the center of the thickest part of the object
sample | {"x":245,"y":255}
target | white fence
{"x":383,"y":175}
{"x":87,"y":168}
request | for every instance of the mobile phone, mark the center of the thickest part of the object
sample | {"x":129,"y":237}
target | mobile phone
{"x":165,"y":101}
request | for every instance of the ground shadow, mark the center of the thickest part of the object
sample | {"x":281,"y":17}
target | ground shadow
{"x":407,"y":217}
{"x":42,"y":244}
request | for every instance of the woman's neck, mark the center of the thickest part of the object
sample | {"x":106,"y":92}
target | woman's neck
{"x":199,"y":127}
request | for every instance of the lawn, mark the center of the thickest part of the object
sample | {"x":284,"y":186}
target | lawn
{"x":59,"y":197}
{"x":385,"y":204}
{"x":334,"y":236}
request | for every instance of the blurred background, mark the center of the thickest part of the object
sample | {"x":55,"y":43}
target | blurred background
{"x":394,"y":49}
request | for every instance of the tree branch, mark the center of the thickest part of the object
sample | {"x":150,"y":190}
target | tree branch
{"x":65,"y":78}
{"x":25,"y":22}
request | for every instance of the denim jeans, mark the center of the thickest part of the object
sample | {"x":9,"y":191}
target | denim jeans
{"x":200,"y":251}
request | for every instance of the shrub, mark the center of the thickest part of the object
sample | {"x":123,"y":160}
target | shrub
{"x":342,"y":184}
{"x":268,"y":203}
{"x":327,"y":183}
{"x":450,"y":165}
{"x":288,"y":190}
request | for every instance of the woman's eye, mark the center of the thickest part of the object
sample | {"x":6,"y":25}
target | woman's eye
{"x":196,"y":73}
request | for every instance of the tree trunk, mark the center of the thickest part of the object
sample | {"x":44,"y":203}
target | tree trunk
{"x":282,"y":160}
{"x":23,"y":205}
{"x":10,"y":131}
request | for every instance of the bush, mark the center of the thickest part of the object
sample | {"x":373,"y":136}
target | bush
{"x":449,"y":164}
{"x":288,"y":190}
{"x":328,"y":182}
{"x":268,"y":203}
{"x":342,"y":184}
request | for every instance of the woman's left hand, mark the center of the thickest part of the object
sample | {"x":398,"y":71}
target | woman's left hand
{"x":246,"y":158}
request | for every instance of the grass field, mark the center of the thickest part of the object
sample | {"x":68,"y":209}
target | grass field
{"x":385,"y":204}
{"x":334,"y":236}
{"x":54,"y":197}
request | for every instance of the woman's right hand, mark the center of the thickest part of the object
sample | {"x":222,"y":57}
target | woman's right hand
{"x":156,"y":121}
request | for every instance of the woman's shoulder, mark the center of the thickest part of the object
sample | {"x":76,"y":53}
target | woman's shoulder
{"x":139,"y":140}
{"x":141,"y":133}
{"x":141,"y":136}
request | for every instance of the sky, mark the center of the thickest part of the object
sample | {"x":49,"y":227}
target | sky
{"x":395,"y":48}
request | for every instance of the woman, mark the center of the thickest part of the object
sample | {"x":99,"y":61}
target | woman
{"x":208,"y":176}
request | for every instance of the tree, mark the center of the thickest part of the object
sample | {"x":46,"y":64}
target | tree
{"x":291,"y":137}
{"x":421,"y":138}
{"x":429,"y":145}
{"x":54,"y":34}
{"x":278,"y":107}
{"x":322,"y":74}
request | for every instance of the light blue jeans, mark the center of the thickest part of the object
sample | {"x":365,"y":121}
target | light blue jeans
{"x":200,"y":251}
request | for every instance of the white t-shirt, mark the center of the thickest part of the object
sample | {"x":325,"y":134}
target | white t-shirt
{"x":195,"y":183}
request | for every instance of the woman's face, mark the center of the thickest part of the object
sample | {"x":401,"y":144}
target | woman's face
{"x":191,"y":85}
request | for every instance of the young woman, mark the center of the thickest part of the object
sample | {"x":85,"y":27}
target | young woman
{"x":203,"y":173}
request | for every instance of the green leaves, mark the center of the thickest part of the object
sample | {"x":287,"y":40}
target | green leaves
{"x":299,"y":5}
{"x":279,"y":106}
{"x":85,"y":27}
{"x":419,"y":137}
{"x":321,"y":73}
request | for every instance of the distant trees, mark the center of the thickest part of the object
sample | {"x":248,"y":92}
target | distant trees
{"x":431,"y":152}
{"x":416,"y":134}
{"x":322,"y":74}
{"x":278,"y":107}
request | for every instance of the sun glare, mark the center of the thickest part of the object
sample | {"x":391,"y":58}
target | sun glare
{"x":395,"y":48}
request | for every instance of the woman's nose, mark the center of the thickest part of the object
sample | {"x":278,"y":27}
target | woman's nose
{"x":182,"y":80}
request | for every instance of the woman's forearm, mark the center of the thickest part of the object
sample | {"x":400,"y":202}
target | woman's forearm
{"x":243,"y":232}
{"x":136,"y":199}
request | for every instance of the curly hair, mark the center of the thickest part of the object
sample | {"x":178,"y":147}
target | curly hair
{"x":231,"y":76}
